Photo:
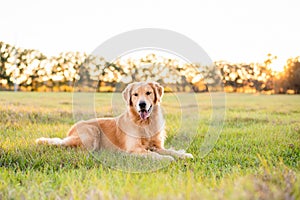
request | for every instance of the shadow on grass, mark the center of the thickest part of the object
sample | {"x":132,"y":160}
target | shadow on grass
{"x":46,"y":158}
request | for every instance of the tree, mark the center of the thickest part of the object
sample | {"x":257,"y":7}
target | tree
{"x":153,"y":68}
{"x":7,"y":65}
{"x":291,"y":77}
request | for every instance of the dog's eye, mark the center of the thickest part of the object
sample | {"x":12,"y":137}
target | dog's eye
{"x":148,"y":93}
{"x":135,"y":94}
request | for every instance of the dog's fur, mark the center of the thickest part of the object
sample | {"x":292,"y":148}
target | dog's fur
{"x":140,"y":130}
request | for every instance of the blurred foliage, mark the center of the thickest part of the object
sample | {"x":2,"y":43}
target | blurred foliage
{"x":288,"y":81}
{"x":242,"y":77}
{"x":30,"y":70}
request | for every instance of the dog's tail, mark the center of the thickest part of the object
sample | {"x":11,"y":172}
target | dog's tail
{"x":68,"y":141}
{"x":49,"y":141}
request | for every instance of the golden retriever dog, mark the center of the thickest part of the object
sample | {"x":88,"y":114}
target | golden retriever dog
{"x":140,"y":130}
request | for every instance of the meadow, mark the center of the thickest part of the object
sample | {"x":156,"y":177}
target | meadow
{"x":257,"y":155}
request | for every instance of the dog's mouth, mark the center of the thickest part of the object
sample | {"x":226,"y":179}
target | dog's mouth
{"x":144,"y":114}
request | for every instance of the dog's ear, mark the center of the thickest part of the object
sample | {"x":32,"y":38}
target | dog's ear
{"x":158,"y":91}
{"x":127,"y":94}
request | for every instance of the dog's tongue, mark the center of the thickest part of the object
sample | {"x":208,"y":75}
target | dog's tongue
{"x":143,"y":114}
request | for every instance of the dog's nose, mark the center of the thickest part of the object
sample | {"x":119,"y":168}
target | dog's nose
{"x":142,"y":104}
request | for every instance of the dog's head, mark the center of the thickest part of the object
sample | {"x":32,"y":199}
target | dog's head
{"x":143,"y":97}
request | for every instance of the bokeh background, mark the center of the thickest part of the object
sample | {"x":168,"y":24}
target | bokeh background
{"x":31,"y":70}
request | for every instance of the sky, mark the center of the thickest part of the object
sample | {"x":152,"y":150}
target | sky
{"x":230,"y":30}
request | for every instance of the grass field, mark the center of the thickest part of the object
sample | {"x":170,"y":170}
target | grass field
{"x":257,"y":155}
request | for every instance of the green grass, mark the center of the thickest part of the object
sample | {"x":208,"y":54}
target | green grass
{"x":257,"y":155}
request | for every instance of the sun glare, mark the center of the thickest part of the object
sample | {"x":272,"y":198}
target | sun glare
{"x":278,"y":65}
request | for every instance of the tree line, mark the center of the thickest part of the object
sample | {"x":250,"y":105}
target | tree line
{"x":30,"y":70}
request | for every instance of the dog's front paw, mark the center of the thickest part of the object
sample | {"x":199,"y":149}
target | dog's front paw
{"x":183,"y":155}
{"x":187,"y":156}
{"x":166,"y":158}
{"x":169,"y":158}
